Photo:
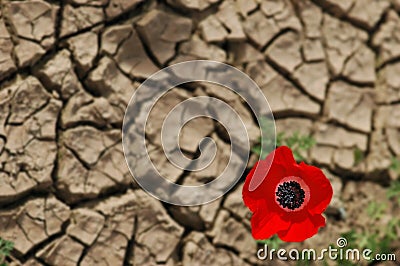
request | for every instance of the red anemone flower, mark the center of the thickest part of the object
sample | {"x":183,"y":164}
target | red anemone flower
{"x":286,"y":198}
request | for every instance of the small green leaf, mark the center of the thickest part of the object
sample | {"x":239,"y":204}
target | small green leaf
{"x":256,"y":149}
{"x":395,"y":165}
{"x":358,"y":156}
{"x":394,"y":191}
{"x":376,"y":210}
{"x":273,"y":242}
{"x":280,"y":138}
{"x":296,"y":142}
{"x":5,"y":248}
{"x":297,"y":156}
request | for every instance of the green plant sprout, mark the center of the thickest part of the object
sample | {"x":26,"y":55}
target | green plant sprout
{"x":273,"y":243}
{"x":358,"y":156}
{"x":299,"y":143}
{"x":376,"y":210}
{"x":5,"y":248}
{"x":395,"y":165}
{"x":393,"y":191}
{"x":296,"y":142}
{"x":377,"y":240}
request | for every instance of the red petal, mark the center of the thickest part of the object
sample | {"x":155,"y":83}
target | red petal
{"x":320,"y":188}
{"x":263,"y":177}
{"x":300,"y":231}
{"x":282,"y":156}
{"x":266,"y":223}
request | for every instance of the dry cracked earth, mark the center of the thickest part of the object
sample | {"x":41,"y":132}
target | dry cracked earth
{"x":330,"y":69}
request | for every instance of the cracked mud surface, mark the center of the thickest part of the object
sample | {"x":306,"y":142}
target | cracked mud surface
{"x":329,"y":69}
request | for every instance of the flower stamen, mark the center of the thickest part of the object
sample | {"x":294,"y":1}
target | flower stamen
{"x":292,"y":194}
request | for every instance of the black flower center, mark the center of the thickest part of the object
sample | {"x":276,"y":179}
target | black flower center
{"x":290,"y":195}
